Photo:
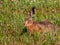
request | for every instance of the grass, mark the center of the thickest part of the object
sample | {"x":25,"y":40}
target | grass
{"x":13,"y":14}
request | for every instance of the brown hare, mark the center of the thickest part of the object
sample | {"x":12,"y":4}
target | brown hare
{"x":33,"y":25}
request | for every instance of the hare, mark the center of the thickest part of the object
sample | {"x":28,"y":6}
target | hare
{"x":33,"y":25}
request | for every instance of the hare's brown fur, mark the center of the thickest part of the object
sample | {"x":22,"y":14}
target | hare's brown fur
{"x":39,"y":26}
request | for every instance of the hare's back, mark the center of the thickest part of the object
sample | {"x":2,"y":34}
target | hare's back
{"x":47,"y":25}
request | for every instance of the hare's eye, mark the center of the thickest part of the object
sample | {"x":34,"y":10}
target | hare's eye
{"x":28,"y":22}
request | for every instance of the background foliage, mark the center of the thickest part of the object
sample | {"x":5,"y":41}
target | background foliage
{"x":13,"y":14}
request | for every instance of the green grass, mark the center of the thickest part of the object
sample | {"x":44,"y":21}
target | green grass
{"x":13,"y":14}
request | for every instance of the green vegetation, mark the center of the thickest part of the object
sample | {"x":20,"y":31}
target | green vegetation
{"x":13,"y":14}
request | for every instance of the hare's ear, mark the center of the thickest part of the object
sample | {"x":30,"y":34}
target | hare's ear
{"x":32,"y":12}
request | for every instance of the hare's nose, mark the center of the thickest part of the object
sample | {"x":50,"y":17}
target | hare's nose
{"x":25,"y":23}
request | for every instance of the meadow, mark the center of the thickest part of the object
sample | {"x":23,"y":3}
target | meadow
{"x":13,"y":14}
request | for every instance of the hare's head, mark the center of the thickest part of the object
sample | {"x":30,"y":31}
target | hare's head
{"x":28,"y":22}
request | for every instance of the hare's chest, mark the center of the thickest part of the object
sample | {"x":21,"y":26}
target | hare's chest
{"x":32,"y":28}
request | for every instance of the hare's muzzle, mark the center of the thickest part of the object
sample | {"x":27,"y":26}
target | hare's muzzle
{"x":26,"y":23}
